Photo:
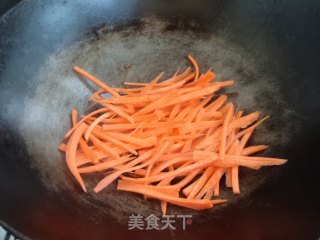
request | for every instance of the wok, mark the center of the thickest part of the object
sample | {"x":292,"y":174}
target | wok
{"x":271,"y":49}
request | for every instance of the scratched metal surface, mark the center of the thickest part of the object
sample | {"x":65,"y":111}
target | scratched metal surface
{"x":250,"y":43}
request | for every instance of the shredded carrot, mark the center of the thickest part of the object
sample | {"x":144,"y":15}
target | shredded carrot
{"x":62,"y":147}
{"x":99,"y":83}
{"x":95,"y":123}
{"x":164,"y":138}
{"x":196,"y":67}
{"x":71,"y":153}
{"x":200,"y":182}
{"x":68,"y":134}
{"x":226,"y":123}
{"x":153,"y":192}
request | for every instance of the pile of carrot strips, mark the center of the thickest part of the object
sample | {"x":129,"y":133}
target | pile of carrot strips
{"x":171,"y":140}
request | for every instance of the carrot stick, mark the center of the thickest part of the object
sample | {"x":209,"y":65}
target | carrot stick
{"x":177,"y":172}
{"x":205,"y":79}
{"x":146,"y":142}
{"x":158,"y":152}
{"x":212,"y":114}
{"x":250,"y":129}
{"x":135,"y":84}
{"x":96,"y":81}
{"x":235,"y":180}
{"x":199,"y":93}
{"x":215,"y":105}
{"x":68,"y":134}
{"x":173,"y":86}
{"x":138,"y":119}
{"x":166,"y":181}
{"x":233,"y":160}
{"x":127,"y":168}
{"x":215,"y":190}
{"x":140,"y":172}
{"x":196,"y":67}
{"x":62,"y":147}
{"x":228,"y":177}
{"x":86,"y":150}
{"x":188,"y":178}
{"x":118,"y":143}
{"x":213,"y":180}
{"x":169,"y":81}
{"x":98,"y":144}
{"x":83,"y":145}
{"x":154,"y":105}
{"x":243,"y":122}
{"x":164,"y":164}
{"x":201,"y":181}
{"x":71,"y":153}
{"x":253,"y":149}
{"x":104,"y":165}
{"x":226,"y":122}
{"x":120,"y":112}
{"x":176,"y":78}
{"x":95,"y":123}
{"x":186,"y":191}
{"x":143,"y":189}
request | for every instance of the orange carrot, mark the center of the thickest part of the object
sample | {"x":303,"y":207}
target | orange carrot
{"x":233,"y":160}
{"x":145,"y":189}
{"x":158,"y":152}
{"x":215,"y":105}
{"x":198,"y":93}
{"x":83,"y":145}
{"x":195,"y":65}
{"x":62,"y":147}
{"x":173,"y":86}
{"x":166,"y":181}
{"x":228,"y":177}
{"x":95,"y":123}
{"x":115,"y":141}
{"x":127,"y":168}
{"x":226,"y":122}
{"x":154,"y":105}
{"x":71,"y":153}
{"x":210,"y":184}
{"x":178,"y":172}
{"x":68,"y":134}
{"x":201,"y":181}
{"x":164,"y":138}
{"x":120,"y":112}
{"x":188,"y":178}
{"x":99,"y":144}
{"x":213,"y":190}
{"x":105,"y":165}
{"x":253,"y":149}
{"x":245,"y":121}
{"x":251,"y":128}
{"x":87,"y":75}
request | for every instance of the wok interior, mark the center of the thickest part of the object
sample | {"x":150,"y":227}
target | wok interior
{"x":139,"y":55}
{"x":269,"y":48}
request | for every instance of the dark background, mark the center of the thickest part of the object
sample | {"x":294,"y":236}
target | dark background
{"x":285,"y":208}
{"x":7,"y":4}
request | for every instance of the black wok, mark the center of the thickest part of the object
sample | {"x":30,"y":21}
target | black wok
{"x":271,"y":48}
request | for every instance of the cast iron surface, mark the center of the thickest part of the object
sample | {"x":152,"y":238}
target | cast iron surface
{"x":280,"y":37}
